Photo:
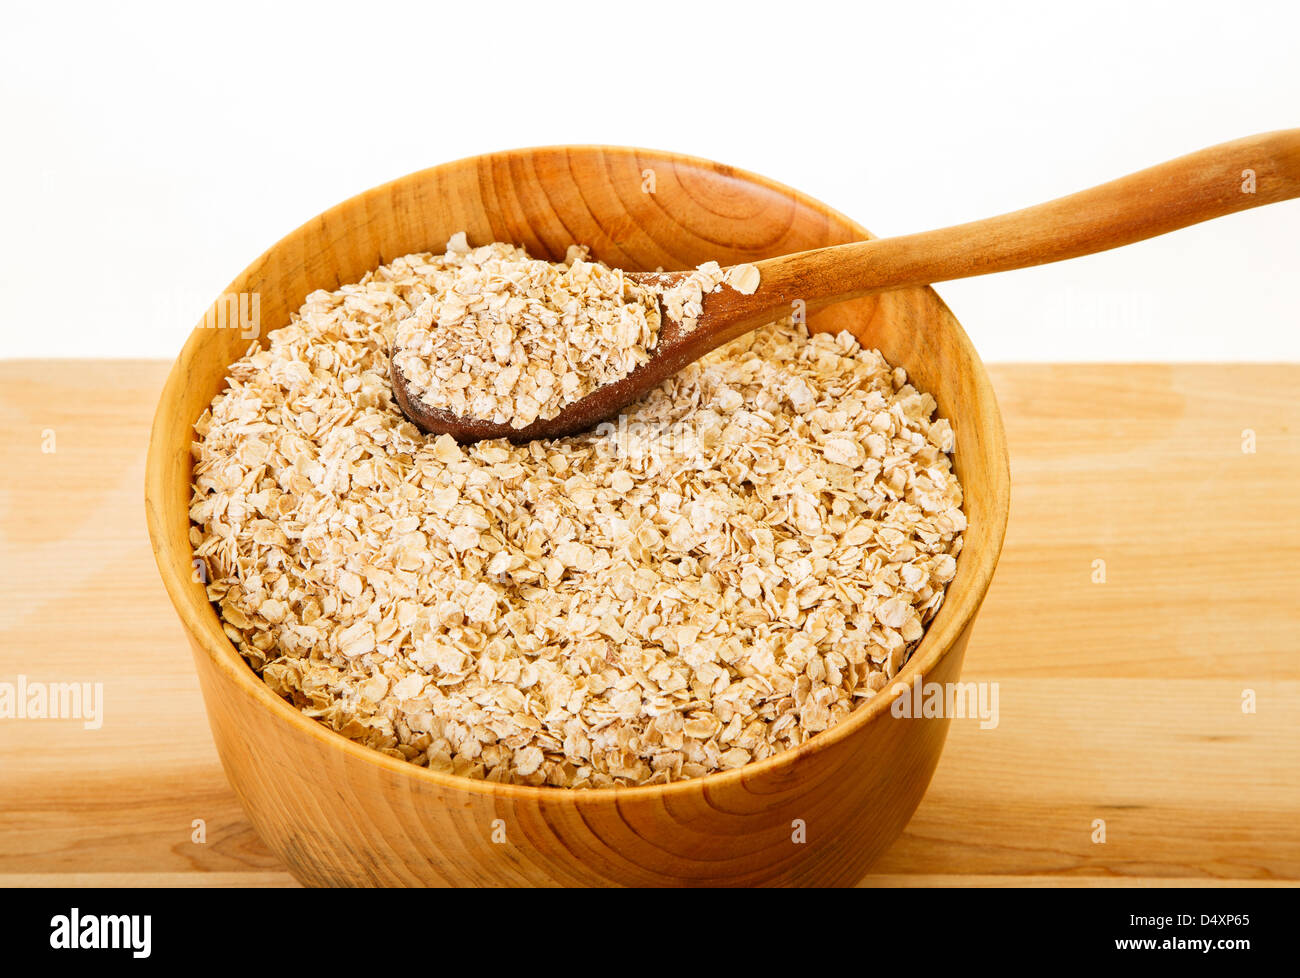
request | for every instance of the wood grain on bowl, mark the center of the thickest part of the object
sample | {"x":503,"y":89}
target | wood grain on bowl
{"x":339,"y":813}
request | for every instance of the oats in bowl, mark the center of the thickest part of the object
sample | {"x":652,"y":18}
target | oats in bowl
{"x":723,"y":572}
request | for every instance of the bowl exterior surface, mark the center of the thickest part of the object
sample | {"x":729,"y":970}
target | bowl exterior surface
{"x":341,"y":814}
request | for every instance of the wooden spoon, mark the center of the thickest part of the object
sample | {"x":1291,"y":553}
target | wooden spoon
{"x":1223,"y":179}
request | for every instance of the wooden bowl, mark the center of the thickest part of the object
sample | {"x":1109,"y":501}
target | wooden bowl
{"x":342,"y":814}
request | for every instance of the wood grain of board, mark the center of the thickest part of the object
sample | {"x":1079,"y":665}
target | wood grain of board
{"x":1119,"y":701}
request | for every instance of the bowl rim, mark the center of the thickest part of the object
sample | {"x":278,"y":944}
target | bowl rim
{"x":933,"y":648}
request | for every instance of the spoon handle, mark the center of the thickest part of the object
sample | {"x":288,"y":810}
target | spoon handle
{"x":1223,"y":179}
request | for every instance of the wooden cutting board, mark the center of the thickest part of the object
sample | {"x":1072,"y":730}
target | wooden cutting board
{"x":1143,"y":630}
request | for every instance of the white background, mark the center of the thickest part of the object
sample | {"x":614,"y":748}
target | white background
{"x":152,"y":151}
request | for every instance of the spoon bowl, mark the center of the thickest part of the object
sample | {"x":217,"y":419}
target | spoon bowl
{"x":675,"y":349}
